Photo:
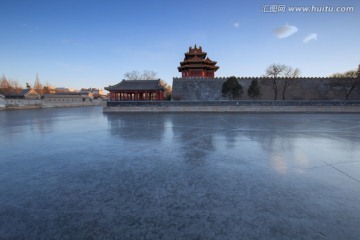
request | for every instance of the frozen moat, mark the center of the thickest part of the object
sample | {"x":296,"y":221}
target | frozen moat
{"x":77,"y":173}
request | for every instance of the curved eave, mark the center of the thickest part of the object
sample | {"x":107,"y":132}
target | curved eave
{"x":203,"y":62}
{"x":134,"y":90}
{"x":200,"y":67}
{"x":196,"y":54}
{"x":193,"y":62}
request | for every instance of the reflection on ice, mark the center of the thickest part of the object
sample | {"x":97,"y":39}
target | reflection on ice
{"x":78,"y":173}
{"x":279,"y":163}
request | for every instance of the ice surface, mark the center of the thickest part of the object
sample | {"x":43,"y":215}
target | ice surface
{"x":76,"y":173}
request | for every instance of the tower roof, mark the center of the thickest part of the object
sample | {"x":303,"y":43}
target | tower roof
{"x":195,"y":58}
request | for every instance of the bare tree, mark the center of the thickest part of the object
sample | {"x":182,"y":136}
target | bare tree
{"x":47,"y":88}
{"x":350,"y":82}
{"x":47,"y":84}
{"x":289,"y":76}
{"x":4,"y":83}
{"x":38,"y":87}
{"x":149,"y":75}
{"x":349,"y":86}
{"x":16,"y":85}
{"x":346,"y":86}
{"x":136,"y":75}
{"x":277,"y":71}
{"x":274,"y":71}
{"x":168,"y":89}
{"x":348,"y":74}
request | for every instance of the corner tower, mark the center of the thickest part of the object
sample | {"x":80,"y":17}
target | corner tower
{"x":196,"y":64}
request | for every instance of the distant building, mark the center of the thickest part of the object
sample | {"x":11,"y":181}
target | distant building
{"x":64,"y":90}
{"x":68,"y":97}
{"x":20,"y":94}
{"x":95,"y":91}
{"x":196,"y":64}
{"x":10,"y":97}
{"x":49,"y":90}
{"x":29,"y":98}
{"x":137,"y":90}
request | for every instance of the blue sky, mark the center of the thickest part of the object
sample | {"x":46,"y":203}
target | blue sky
{"x":93,"y":43}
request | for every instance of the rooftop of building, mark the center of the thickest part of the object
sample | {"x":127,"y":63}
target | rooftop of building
{"x":196,"y":59}
{"x":17,"y":93}
{"x":137,"y":85}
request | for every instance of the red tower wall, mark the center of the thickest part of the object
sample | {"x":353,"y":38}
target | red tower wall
{"x":198,"y":73}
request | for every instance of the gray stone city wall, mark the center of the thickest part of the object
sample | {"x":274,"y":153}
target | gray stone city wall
{"x":189,"y":89}
{"x":197,"y":89}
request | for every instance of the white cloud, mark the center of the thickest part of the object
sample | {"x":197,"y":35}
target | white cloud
{"x":311,"y":36}
{"x":236,"y":24}
{"x":285,"y":31}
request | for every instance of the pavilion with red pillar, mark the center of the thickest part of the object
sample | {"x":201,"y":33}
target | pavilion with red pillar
{"x":137,"y":90}
{"x":196,"y":64}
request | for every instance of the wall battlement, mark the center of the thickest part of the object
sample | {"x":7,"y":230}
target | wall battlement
{"x":260,"y":78}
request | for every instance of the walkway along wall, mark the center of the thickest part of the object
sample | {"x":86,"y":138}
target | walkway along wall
{"x":341,"y":106}
{"x":48,"y":103}
{"x":198,"y":89}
